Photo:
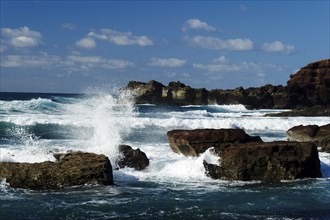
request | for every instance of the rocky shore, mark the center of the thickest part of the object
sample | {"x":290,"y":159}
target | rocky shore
{"x":246,"y":158}
{"x":70,"y":169}
{"x":241,"y":157}
{"x":309,"y":87}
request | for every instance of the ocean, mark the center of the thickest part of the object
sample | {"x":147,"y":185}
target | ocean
{"x":34,"y":126}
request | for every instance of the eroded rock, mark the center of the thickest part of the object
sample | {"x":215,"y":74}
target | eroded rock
{"x":195,"y":142}
{"x":71,"y":169}
{"x":132,"y":158}
{"x":319,"y":135}
{"x":268,"y":162}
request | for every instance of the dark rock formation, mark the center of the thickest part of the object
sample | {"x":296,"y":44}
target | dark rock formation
{"x":195,"y":142}
{"x":175,"y":93}
{"x":305,"y":112}
{"x":132,"y":158}
{"x":268,"y":162}
{"x":71,"y":169}
{"x":311,"y":133}
{"x":310,"y":86}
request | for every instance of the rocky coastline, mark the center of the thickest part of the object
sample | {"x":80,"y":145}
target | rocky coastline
{"x":241,"y":156}
{"x":307,"y":88}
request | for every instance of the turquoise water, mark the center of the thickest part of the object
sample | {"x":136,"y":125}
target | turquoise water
{"x":32,"y":126}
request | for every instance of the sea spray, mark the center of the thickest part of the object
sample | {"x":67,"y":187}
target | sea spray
{"x":109,"y":117}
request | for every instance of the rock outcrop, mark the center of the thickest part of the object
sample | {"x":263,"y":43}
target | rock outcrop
{"x":268,"y":162}
{"x":132,"y":158}
{"x":308,"y":87}
{"x":246,"y":158}
{"x":320,"y":136}
{"x":195,"y":142}
{"x":70,"y":169}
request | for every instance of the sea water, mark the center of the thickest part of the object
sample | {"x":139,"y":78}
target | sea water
{"x":34,"y":126}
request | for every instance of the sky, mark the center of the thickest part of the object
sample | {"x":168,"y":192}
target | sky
{"x":72,"y":46}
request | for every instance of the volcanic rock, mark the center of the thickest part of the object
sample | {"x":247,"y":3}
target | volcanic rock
{"x":310,"y":85}
{"x":311,"y":133}
{"x":71,"y":169}
{"x":195,"y":142}
{"x":268,"y":162}
{"x":132,"y":158}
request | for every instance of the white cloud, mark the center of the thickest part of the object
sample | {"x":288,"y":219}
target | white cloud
{"x":24,"y":61}
{"x":69,"y":26}
{"x":244,"y":66}
{"x":121,"y":38}
{"x":198,"y":25}
{"x":218,"y":67}
{"x":3,"y":47}
{"x":86,"y":43}
{"x":23,"y":41}
{"x":85,"y":63}
{"x":117,"y":64}
{"x":277,"y":46}
{"x":169,"y":62}
{"x":21,"y":37}
{"x":213,"y":43}
{"x":71,"y":63}
{"x":221,"y":59}
{"x":86,"y":59}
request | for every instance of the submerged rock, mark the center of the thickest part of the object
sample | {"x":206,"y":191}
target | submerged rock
{"x":311,"y":133}
{"x":195,"y":142}
{"x":268,"y":162}
{"x":132,"y":158}
{"x":70,"y":169}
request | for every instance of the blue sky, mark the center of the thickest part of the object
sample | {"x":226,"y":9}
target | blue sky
{"x":70,"y":46}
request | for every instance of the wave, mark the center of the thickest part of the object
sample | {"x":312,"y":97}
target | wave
{"x":10,"y":130}
{"x":39,"y":105}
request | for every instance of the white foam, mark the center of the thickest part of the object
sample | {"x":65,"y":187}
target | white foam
{"x":325,"y":164}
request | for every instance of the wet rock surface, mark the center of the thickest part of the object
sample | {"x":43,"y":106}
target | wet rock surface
{"x":268,"y":162}
{"x":195,"y":142}
{"x":132,"y":158}
{"x":319,"y":135}
{"x":70,"y":169}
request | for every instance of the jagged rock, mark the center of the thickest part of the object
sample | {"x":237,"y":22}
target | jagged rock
{"x":71,"y":169}
{"x":268,"y":162}
{"x":310,"y":86}
{"x":195,"y":142}
{"x":132,"y":158}
{"x":311,"y":133}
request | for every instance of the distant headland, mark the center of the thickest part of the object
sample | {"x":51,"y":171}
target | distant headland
{"x":308,"y":88}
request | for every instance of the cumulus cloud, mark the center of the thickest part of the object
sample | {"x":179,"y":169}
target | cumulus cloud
{"x":168,"y":62}
{"x":86,"y":43}
{"x":197,"y":25}
{"x":213,"y":43}
{"x":277,"y":46}
{"x":121,"y":38}
{"x":21,"y":37}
